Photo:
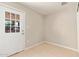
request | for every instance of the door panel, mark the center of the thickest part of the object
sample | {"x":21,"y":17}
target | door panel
{"x":11,"y":42}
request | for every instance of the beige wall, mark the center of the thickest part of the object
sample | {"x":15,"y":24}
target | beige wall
{"x":61,"y":27}
{"x":34,"y":24}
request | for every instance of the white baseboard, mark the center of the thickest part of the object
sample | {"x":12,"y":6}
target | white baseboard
{"x":34,"y":45}
{"x":51,"y":44}
{"x":62,"y":46}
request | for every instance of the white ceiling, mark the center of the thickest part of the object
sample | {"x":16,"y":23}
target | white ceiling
{"x":44,"y":8}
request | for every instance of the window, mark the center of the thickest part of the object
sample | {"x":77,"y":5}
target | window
{"x":12,"y":22}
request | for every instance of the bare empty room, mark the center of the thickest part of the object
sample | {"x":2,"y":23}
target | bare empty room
{"x":39,"y":29}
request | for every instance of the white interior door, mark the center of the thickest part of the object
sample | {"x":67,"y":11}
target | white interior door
{"x":14,"y":40}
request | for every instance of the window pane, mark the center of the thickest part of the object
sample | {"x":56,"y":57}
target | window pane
{"x":17,"y":17}
{"x":12,"y":26}
{"x":17,"y":29}
{"x":17,"y":24}
{"x":7,"y":15}
{"x":7,"y":26}
{"x":12,"y":16}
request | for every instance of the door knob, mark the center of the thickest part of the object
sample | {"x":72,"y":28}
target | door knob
{"x":23,"y":33}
